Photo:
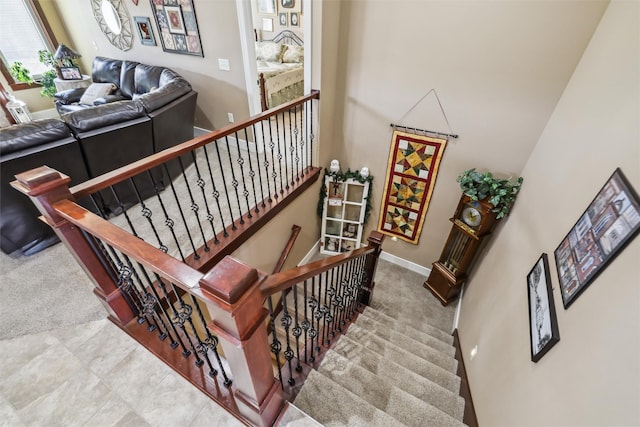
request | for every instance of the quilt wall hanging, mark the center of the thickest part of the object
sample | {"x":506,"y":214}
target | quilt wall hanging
{"x":411,"y":175}
{"x":177,"y":26}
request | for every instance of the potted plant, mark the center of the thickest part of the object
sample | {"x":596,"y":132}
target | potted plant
{"x":501,"y":193}
{"x":22,"y":74}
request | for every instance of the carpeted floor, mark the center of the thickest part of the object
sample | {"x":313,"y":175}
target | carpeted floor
{"x":44,"y":291}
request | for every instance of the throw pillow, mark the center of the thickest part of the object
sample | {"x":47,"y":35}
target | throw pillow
{"x":293,"y":54}
{"x":95,"y":91}
{"x":269,"y":51}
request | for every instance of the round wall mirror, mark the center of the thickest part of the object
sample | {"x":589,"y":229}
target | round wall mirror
{"x":114,"y":22}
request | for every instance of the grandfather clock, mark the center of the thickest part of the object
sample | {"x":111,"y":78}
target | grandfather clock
{"x":472,"y":222}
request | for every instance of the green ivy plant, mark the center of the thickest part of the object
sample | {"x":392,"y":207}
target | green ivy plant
{"x":501,"y":193}
{"x":343,"y":176}
{"x":22,"y":74}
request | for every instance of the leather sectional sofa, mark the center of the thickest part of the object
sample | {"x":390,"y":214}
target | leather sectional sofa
{"x":152,"y":109}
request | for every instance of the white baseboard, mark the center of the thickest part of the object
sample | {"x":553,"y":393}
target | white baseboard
{"x":312,"y":252}
{"x":424,"y":271}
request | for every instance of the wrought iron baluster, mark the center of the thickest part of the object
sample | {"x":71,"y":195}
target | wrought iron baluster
{"x":194,"y":208}
{"x":297,"y":330}
{"x":284,"y":148}
{"x":285,"y":320}
{"x":252,"y":173}
{"x":276,"y":346}
{"x":178,"y":318}
{"x":311,"y":136}
{"x":325,"y":310}
{"x":294,"y":143}
{"x":306,"y":325}
{"x":279,"y":154}
{"x":265,"y":163}
{"x":200,"y":182}
{"x":168,"y":221}
{"x":313,"y":305}
{"x":224,"y":187}
{"x":210,"y":343}
{"x":303,"y":157}
{"x":216,"y":195}
{"x":234,"y":182}
{"x":147,"y":213}
{"x":240,"y":161}
{"x":338,"y":299}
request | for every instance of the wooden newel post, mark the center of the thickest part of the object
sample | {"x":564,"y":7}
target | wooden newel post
{"x":375,"y":239}
{"x":45,"y":187}
{"x":238,"y":314}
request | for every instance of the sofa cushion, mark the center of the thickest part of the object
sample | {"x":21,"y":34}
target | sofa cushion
{"x":103,"y":115}
{"x":95,"y":91}
{"x":147,"y":77}
{"x":162,"y":96}
{"x":25,"y":135}
{"x":127,"y":78}
{"x":106,"y":70}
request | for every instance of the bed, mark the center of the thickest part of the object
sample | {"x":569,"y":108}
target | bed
{"x":280,"y":63}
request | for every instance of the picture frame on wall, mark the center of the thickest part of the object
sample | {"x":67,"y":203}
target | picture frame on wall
{"x":543,"y":323}
{"x":145,"y":31}
{"x":282,"y":19}
{"x":267,"y":7}
{"x":294,"y":19}
{"x":267,"y":24}
{"x":609,"y":223}
{"x":177,"y":26}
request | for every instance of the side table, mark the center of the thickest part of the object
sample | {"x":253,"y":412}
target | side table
{"x":71,"y":84}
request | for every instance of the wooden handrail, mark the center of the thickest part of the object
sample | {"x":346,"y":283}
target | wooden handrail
{"x":286,"y":279}
{"x":295,"y":230}
{"x":103,"y":181}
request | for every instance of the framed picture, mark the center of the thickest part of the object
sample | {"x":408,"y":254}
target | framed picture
{"x":282,"y":19}
{"x":174,"y":19}
{"x":288,"y":4}
{"x":294,"y":19}
{"x":267,"y":24}
{"x":267,"y":7}
{"x":608,"y":224}
{"x":70,"y":73}
{"x":145,"y":32}
{"x":543,"y":324}
{"x":177,"y":26}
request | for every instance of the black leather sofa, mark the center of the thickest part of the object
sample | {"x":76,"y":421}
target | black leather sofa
{"x":24,"y":147}
{"x":152,"y":109}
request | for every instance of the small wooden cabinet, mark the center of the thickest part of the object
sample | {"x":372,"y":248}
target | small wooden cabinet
{"x":343,"y":215}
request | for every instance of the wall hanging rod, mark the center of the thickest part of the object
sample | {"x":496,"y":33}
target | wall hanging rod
{"x":424,"y":130}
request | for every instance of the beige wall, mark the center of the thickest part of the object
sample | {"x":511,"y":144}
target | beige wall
{"x":219,"y":92}
{"x":498,"y":67}
{"x":592,"y":376}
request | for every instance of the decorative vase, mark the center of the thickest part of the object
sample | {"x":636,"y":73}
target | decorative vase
{"x":18,"y":110}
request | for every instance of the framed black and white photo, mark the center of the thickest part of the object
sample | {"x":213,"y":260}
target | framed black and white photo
{"x":608,"y":224}
{"x":543,"y":324}
{"x":294,"y":19}
{"x":282,"y":18}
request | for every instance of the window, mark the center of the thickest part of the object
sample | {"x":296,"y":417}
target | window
{"x":23,"y":32}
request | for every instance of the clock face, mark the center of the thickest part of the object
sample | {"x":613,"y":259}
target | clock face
{"x":471,"y":216}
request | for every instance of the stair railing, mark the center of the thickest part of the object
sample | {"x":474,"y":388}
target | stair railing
{"x":318,"y":301}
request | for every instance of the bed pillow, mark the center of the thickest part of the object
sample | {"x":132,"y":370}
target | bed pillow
{"x":293,"y":54}
{"x":269,"y":51}
{"x":95,"y":91}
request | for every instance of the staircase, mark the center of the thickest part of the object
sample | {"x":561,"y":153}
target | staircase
{"x":391,"y":368}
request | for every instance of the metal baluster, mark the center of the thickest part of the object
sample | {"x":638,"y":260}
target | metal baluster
{"x":330,"y":307}
{"x":234,"y":182}
{"x":313,"y":304}
{"x":279,"y":153}
{"x":291,"y":146}
{"x":201,"y":183}
{"x":252,"y":173}
{"x":286,"y":161}
{"x":178,"y":318}
{"x":216,"y":195}
{"x":311,"y":136}
{"x":276,"y":346}
{"x":147,"y":213}
{"x":194,"y":207}
{"x":210,"y":343}
{"x":168,"y":221}
{"x":285,"y":320}
{"x":337,"y":299}
{"x":325,"y":310}
{"x":297,"y":330}
{"x":294,"y":143}
{"x":153,"y":301}
{"x":240,"y":161}
{"x":266,"y":164}
{"x":305,"y":323}
{"x":303,"y":157}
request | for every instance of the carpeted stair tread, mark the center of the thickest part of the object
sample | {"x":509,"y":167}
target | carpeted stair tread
{"x":396,"y":374}
{"x":408,"y":329}
{"x":410,"y":311}
{"x":385,"y":330}
{"x":333,"y":405}
{"x":394,"y":401}
{"x":406,"y":344}
{"x":295,"y":417}
{"x":415,"y":364}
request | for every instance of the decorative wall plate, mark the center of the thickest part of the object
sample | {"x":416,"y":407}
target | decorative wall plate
{"x":114,"y":22}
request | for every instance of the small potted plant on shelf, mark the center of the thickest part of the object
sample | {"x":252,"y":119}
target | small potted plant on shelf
{"x":501,"y":193}
{"x":22,"y":74}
